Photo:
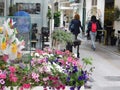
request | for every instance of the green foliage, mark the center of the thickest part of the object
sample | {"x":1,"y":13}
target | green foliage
{"x":62,"y":36}
{"x":57,"y":18}
{"x":49,"y":15}
{"x":87,"y":61}
{"x":116,"y":14}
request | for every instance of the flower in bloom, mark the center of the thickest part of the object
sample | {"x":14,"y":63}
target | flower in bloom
{"x":13,"y":79}
{"x":59,"y":52}
{"x":12,"y":69}
{"x":14,"y":48}
{"x":35,"y":76}
{"x":3,"y":45}
{"x":68,"y":79}
{"x":2,"y":81}
{"x":27,"y":86}
{"x":2,"y":76}
{"x":45,"y":79}
{"x":5,"y":57}
{"x":21,"y":88}
{"x":72,"y":88}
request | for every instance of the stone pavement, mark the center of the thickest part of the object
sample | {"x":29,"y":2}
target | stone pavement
{"x":106,"y":61}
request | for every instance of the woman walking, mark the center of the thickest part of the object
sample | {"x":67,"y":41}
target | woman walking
{"x":75,"y":25}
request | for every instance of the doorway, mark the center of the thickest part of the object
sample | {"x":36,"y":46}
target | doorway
{"x":109,"y":20}
{"x":109,"y":12}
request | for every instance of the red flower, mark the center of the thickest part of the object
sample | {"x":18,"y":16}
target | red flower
{"x":27,"y":86}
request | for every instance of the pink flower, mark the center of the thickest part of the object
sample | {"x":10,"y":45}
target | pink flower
{"x":35,"y":76}
{"x":59,"y":52}
{"x":5,"y":58}
{"x":70,"y":59}
{"x":39,"y":51}
{"x":21,"y":88}
{"x":3,"y":76}
{"x":12,"y":69}
{"x":45,"y":79}
{"x":67,"y":52}
{"x":13,"y":79}
{"x":62,"y":61}
{"x":27,"y":86}
{"x":74,"y":62}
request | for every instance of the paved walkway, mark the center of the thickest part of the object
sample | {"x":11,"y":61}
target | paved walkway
{"x":106,"y":60}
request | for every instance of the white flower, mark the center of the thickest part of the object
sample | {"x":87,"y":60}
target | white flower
{"x":37,"y":55}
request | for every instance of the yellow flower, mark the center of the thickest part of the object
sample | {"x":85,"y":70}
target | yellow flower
{"x":1,"y":29}
{"x":14,"y":48}
{"x":3,"y":45}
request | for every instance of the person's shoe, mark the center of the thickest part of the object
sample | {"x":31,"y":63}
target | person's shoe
{"x":94,"y":49}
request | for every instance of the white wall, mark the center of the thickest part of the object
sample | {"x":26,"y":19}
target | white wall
{"x":101,"y":7}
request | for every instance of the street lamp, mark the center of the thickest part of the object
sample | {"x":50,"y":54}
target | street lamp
{"x":84,"y":14}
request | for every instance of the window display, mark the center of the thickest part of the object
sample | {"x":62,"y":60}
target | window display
{"x":31,"y":8}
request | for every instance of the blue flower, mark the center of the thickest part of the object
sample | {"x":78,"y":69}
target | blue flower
{"x":68,"y":79}
{"x":80,"y":78}
{"x":78,"y":88}
{"x":75,"y":69}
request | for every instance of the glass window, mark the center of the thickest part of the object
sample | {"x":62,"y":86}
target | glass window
{"x":94,"y":2}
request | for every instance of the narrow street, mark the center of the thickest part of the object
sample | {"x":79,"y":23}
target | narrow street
{"x":106,"y":61}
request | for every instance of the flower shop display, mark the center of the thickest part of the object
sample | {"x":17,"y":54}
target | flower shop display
{"x":47,"y":69}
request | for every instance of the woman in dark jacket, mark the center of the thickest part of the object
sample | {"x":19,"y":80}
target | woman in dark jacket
{"x":77,"y":25}
{"x":93,"y":33}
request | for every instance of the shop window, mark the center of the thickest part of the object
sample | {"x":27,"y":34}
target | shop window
{"x":94,"y":2}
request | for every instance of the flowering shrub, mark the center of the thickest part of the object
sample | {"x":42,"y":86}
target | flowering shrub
{"x":49,"y":68}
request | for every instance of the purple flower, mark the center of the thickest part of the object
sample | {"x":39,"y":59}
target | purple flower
{"x":22,"y":65}
{"x":75,"y":69}
{"x":80,"y":78}
{"x":68,"y":79}
{"x":72,"y":88}
{"x":78,"y":88}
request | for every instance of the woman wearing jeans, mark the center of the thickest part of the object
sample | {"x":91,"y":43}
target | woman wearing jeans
{"x":92,"y":28}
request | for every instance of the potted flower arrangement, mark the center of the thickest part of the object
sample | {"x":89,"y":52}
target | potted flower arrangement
{"x":47,"y":69}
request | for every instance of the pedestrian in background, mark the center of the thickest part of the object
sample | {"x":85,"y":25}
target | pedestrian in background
{"x":75,"y":25}
{"x":92,"y":29}
{"x":64,"y":20}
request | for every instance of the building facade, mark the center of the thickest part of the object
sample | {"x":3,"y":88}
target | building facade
{"x":85,"y":8}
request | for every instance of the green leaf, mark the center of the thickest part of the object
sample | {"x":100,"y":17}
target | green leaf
{"x":87,"y":61}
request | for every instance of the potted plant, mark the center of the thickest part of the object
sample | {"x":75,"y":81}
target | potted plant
{"x":57,"y":18}
{"x":61,"y":37}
